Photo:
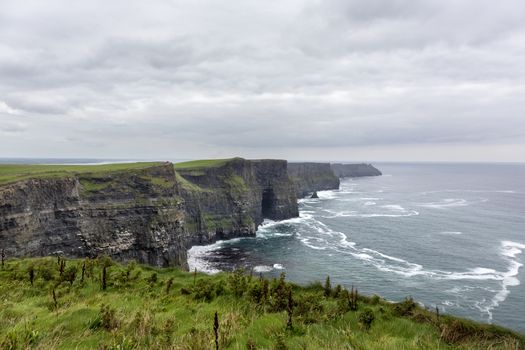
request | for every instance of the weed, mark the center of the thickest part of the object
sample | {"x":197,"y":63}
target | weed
{"x":366,"y":317}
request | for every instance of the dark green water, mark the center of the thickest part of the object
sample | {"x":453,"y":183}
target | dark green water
{"x":451,"y":235}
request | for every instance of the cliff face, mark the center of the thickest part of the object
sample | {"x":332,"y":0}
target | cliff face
{"x":310,"y":177}
{"x":126,"y":215}
{"x":354,"y":170}
{"x":152,"y":215}
{"x":231,"y":200}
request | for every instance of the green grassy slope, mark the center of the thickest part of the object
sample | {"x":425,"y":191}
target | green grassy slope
{"x":149,"y":308}
{"x":15,"y":172}
{"x":203,"y":163}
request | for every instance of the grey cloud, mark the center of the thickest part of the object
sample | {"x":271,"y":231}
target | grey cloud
{"x":216,"y":77}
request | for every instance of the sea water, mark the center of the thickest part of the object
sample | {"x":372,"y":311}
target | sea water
{"x":448,"y":235}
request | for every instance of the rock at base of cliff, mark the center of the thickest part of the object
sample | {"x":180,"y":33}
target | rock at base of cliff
{"x":314,"y":195}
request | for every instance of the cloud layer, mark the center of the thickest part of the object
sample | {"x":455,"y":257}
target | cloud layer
{"x":336,"y":79}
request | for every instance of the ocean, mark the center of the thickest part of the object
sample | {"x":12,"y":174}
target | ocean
{"x":448,"y":235}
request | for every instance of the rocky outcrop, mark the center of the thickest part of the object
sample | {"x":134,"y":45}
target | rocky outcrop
{"x":152,"y":215}
{"x":354,"y":170}
{"x":311,"y":177}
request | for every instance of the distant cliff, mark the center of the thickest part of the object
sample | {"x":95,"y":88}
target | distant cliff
{"x":354,"y":170}
{"x":151,"y":214}
{"x":311,"y":177}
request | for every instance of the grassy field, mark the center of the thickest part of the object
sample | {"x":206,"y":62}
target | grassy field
{"x":14,"y":172}
{"x":203,"y":163}
{"x":51,"y":303}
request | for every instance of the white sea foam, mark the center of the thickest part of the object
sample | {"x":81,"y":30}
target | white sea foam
{"x":327,"y":194}
{"x":369,"y":203}
{"x":395,"y":207}
{"x":446,"y":203}
{"x":196,"y":257}
{"x":278,"y":266}
{"x":450,"y":233}
{"x":468,"y":191}
{"x":392,"y":210}
{"x":262,"y":268}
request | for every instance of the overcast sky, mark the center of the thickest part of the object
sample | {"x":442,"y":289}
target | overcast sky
{"x":304,"y":80}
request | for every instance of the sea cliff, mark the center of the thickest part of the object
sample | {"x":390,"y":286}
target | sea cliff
{"x":151,"y":214}
{"x":311,"y":177}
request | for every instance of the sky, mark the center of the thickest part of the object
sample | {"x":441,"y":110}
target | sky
{"x":389,"y":80}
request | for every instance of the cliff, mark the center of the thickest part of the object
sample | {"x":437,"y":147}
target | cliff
{"x":232,"y":197}
{"x":149,"y":213}
{"x":311,"y":177}
{"x":354,"y":170}
{"x":128,"y":214}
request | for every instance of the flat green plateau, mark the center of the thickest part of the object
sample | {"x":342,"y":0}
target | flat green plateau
{"x":15,"y":172}
{"x":203,"y":163}
{"x":151,"y":308}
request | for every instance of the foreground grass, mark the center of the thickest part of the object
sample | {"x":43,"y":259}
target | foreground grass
{"x":14,"y":172}
{"x":50,"y":303}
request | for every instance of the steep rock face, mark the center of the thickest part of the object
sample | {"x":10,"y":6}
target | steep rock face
{"x":311,"y":177}
{"x":126,"y":215}
{"x":152,"y":215}
{"x":232,"y":199}
{"x":354,"y":170}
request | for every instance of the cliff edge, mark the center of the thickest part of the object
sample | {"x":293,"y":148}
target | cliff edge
{"x":354,"y":170}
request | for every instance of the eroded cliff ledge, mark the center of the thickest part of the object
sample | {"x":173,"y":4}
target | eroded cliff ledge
{"x":149,"y":213}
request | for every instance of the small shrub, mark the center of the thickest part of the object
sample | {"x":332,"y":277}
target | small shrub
{"x":308,"y":307}
{"x":256,"y":292}
{"x":374,"y":300}
{"x":142,"y":323}
{"x":337,"y":291}
{"x":70,"y":274}
{"x":327,"y":287}
{"x":152,"y":280}
{"x":280,"y":294}
{"x":204,"y":290}
{"x":405,"y":308}
{"x":106,"y":319}
{"x":366,"y":317}
{"x":169,"y":284}
{"x":185,"y":291}
{"x":46,"y":273}
{"x":237,"y":282}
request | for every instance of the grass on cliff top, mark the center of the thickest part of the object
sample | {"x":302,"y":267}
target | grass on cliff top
{"x":203,"y":163}
{"x":49,"y":304}
{"x":14,"y":172}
